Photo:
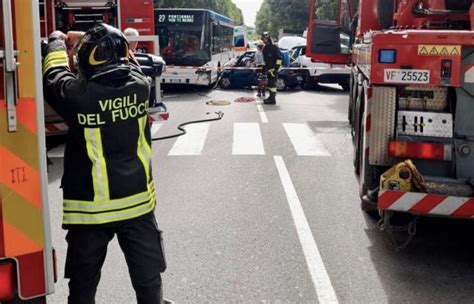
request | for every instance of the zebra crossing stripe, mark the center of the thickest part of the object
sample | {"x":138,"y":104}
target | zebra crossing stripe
{"x":247,"y":139}
{"x":191,"y":143}
{"x":304,"y":140}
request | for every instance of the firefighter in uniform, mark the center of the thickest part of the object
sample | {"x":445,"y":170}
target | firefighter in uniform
{"x":107,"y":184}
{"x":273,"y":60}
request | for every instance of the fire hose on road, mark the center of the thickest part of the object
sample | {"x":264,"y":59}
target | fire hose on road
{"x":219,"y":114}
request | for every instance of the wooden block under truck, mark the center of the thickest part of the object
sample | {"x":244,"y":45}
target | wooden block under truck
{"x":411,"y":105}
{"x":26,"y":255}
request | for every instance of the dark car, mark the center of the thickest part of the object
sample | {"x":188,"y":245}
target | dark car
{"x":243,"y":73}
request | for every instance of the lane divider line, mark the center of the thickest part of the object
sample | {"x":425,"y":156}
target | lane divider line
{"x":260,"y":109}
{"x":321,"y":281}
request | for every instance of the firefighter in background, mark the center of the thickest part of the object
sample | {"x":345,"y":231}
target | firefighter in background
{"x":107,"y":184}
{"x":273,"y":60}
{"x":131,"y":32}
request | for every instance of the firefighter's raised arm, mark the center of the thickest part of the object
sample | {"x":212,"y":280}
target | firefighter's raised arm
{"x":56,"y":71}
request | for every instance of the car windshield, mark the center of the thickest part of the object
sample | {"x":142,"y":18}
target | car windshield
{"x":246,"y":59}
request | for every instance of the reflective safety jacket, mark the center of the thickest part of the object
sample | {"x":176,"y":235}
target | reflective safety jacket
{"x":272,"y":57}
{"x":107,"y":162}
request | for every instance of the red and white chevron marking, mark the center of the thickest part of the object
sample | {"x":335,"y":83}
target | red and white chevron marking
{"x":469,"y":73}
{"x":428,"y":204}
{"x":54,"y":128}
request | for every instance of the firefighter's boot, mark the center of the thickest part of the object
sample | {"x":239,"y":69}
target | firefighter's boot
{"x":271,"y":99}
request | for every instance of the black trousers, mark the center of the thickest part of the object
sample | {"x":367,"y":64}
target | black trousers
{"x":271,"y":83}
{"x":141,"y":243}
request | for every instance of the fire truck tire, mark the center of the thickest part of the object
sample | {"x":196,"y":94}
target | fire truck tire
{"x":369,"y":207}
{"x":345,"y":86}
{"x":357,"y":111}
{"x":40,"y":300}
{"x":352,"y":98}
{"x":225,"y":83}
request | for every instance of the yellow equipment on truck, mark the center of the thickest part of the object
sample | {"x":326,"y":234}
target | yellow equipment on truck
{"x":26,"y":254}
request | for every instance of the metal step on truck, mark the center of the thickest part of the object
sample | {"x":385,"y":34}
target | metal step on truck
{"x":411,"y":101}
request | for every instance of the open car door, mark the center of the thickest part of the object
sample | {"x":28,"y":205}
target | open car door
{"x":329,"y":32}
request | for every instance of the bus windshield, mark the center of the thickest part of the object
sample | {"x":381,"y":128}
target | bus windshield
{"x":184,"y":37}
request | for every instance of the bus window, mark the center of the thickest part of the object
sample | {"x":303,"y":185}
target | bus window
{"x":184,"y":38}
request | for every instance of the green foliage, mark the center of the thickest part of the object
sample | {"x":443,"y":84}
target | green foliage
{"x":283,"y":14}
{"x":225,"y":7}
{"x":327,"y":10}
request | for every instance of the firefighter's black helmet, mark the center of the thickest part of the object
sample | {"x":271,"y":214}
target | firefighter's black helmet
{"x":266,"y":38}
{"x":103,"y":47}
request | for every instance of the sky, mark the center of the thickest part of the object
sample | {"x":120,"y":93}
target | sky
{"x":249,"y":10}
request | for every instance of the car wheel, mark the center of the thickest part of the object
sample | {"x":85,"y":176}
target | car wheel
{"x":281,"y":84}
{"x":225,"y":83}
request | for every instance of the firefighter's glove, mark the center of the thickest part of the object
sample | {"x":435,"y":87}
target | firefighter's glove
{"x":57,"y":35}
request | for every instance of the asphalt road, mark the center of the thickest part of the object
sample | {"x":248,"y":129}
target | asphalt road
{"x":262,"y":207}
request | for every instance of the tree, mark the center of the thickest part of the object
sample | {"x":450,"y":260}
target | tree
{"x":283,"y":14}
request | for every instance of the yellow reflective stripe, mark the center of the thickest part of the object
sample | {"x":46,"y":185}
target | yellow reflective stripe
{"x":55,"y":59}
{"x":273,"y":90}
{"x":109,"y":217}
{"x":279,"y":62}
{"x":143,"y":149}
{"x":85,"y":206}
{"x":95,"y":152}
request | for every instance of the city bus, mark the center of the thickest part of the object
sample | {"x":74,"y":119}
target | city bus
{"x":195,"y":44}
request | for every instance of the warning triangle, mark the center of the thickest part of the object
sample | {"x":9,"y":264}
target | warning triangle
{"x":444,"y":51}
{"x":455,"y":52}
{"x":434,"y":51}
{"x":423,"y":51}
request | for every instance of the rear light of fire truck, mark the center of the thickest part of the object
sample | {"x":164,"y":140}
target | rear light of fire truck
{"x":420,"y":150}
{"x":7,"y":281}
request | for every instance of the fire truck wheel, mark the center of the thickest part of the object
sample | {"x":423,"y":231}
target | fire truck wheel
{"x":352,"y":98}
{"x":369,"y":206}
{"x":225,"y":83}
{"x":41,"y":300}
{"x":345,"y":86}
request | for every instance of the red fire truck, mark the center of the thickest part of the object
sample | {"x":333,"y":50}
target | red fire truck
{"x":26,"y":255}
{"x":411,"y":103}
{"x":80,"y":15}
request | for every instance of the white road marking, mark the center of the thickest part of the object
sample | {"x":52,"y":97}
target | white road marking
{"x":192,"y":142}
{"x":247,"y":139}
{"x":154,"y":129}
{"x":260,"y":109}
{"x":321,"y":280}
{"x":304,"y":140}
